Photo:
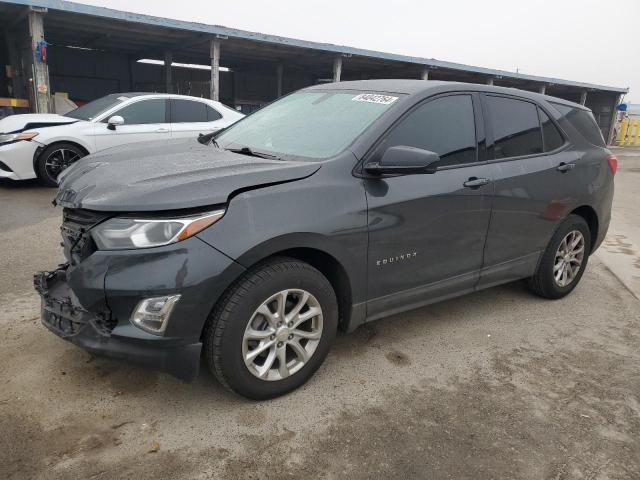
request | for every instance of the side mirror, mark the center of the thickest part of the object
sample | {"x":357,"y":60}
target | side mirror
{"x":114,"y":121}
{"x":403,"y":160}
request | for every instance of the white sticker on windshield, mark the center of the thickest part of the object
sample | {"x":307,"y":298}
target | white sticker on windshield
{"x":122,"y":99}
{"x":375,"y":98}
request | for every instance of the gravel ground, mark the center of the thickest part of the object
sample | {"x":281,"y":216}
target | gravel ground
{"x":497,"y":384}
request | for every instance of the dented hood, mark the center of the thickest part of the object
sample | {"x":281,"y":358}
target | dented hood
{"x":168,"y":175}
{"x":32,"y":121}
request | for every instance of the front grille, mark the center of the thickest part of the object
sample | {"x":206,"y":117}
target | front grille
{"x":60,"y":313}
{"x":76,"y":240}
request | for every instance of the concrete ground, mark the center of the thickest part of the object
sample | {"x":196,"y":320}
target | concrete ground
{"x":498,"y":384}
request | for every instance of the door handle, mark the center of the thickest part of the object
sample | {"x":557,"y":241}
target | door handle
{"x":162,"y":130}
{"x":475,"y":182}
{"x":565,"y":167}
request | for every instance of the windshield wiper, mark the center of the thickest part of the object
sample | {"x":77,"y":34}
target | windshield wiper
{"x":252,"y":153}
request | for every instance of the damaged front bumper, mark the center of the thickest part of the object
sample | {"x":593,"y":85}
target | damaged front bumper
{"x":90,"y":300}
{"x":63,"y":315}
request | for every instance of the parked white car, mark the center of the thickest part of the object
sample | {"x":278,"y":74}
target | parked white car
{"x":43,"y":145}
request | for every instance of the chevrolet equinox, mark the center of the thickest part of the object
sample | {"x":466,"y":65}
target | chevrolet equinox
{"x":335,"y":205}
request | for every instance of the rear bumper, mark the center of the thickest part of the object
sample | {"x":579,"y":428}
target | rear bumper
{"x":65,"y":317}
{"x":18,"y":160}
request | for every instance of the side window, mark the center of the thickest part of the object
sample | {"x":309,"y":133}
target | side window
{"x":550,"y":134}
{"x":584,"y":122}
{"x":445,"y":126}
{"x":188,"y":111}
{"x":516,"y":127}
{"x":212,"y":114}
{"x":144,"y":112}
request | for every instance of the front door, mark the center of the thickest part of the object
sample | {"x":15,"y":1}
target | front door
{"x":145,"y":120}
{"x":427,"y":231}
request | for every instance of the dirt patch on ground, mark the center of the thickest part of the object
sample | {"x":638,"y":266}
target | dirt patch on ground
{"x":570,"y":414}
{"x":398,"y":358}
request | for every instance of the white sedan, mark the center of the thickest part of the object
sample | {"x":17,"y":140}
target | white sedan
{"x":43,"y":145}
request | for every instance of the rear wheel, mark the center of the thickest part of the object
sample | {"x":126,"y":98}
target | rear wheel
{"x":564,"y":260}
{"x":272,"y":330}
{"x":56,"y":158}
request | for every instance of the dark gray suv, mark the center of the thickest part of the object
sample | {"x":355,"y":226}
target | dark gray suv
{"x":336,"y":205}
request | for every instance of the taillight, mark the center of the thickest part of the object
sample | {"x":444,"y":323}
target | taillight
{"x":613,"y":163}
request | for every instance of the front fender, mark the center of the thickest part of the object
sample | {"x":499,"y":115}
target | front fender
{"x":325,"y":212}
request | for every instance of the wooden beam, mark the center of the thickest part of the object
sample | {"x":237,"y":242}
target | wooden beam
{"x":41,"y":91}
{"x":168,"y":60}
{"x":337,"y":68}
{"x":214,"y":54}
{"x":280,"y":75}
{"x":614,"y":116}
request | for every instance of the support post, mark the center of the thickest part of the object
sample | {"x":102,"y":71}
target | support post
{"x":337,"y":68}
{"x":40,"y":70}
{"x":279,"y":75}
{"x":490,"y":81}
{"x":425,"y":74}
{"x":131,"y":61}
{"x":614,"y":117}
{"x":543,"y":89}
{"x":583,"y":97}
{"x":168,"y":82}
{"x":214,"y":54}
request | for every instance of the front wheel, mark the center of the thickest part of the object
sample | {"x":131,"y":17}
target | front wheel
{"x":54,"y":159}
{"x":272,"y":330}
{"x":564,"y":260}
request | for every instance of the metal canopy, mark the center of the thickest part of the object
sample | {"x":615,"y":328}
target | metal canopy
{"x":99,"y":28}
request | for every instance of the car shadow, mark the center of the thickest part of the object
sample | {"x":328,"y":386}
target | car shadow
{"x":33,"y":183}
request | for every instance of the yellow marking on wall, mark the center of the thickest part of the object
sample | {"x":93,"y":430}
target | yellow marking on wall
{"x":637,"y":131}
{"x":622,"y":132}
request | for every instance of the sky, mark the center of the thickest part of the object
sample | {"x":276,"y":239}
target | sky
{"x":592,"y":41}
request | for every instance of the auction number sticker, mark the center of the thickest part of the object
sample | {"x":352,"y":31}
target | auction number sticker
{"x":375,"y":98}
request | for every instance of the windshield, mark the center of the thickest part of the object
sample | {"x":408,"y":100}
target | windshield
{"x":316,"y":124}
{"x":93,"y":109}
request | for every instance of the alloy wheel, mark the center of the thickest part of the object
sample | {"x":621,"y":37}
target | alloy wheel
{"x":58,"y":160}
{"x":569,"y":258}
{"x":282,"y":334}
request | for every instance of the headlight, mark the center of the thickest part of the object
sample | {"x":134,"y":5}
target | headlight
{"x":16,"y":137}
{"x":127,"y":233}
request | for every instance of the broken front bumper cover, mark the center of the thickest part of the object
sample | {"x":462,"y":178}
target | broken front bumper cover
{"x":62,"y":314}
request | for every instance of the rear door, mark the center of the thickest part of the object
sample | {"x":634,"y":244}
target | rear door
{"x":145,"y":120}
{"x":427,"y":231}
{"x":189,"y":118}
{"x":528,"y":154}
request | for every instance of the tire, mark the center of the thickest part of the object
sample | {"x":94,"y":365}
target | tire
{"x":544,"y":283}
{"x":63,"y":153}
{"x":228,"y":339}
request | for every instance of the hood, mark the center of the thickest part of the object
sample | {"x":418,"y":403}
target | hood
{"x":168,"y":175}
{"x":29,"y":121}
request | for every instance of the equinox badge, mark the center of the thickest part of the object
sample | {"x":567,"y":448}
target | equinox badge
{"x":397,"y":258}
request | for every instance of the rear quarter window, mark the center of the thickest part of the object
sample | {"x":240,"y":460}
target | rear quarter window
{"x":583,"y":121}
